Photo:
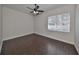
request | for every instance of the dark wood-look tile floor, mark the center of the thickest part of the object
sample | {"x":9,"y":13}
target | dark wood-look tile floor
{"x":34,"y":44}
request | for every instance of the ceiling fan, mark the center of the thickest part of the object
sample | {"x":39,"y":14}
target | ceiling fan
{"x":35,"y":10}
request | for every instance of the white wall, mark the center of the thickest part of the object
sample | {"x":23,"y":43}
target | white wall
{"x":41,"y":24}
{"x":16,"y":24}
{"x":0,"y":27}
{"x":77,"y":28}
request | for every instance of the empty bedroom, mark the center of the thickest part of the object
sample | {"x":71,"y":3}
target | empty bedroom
{"x":39,"y":29}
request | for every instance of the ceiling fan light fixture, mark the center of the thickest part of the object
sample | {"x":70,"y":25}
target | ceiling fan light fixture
{"x":35,"y":12}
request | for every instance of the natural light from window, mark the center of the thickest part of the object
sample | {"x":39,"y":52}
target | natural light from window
{"x":59,"y":22}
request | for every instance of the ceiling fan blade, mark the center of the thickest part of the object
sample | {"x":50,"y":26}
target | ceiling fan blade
{"x":29,"y":8}
{"x":31,"y":12}
{"x":37,"y":13}
{"x":40,"y":11}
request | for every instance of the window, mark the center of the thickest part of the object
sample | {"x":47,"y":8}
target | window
{"x":59,"y":22}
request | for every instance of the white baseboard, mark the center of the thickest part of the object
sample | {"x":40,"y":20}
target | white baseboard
{"x":56,"y":39}
{"x":42,"y":35}
{"x":15,"y":36}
